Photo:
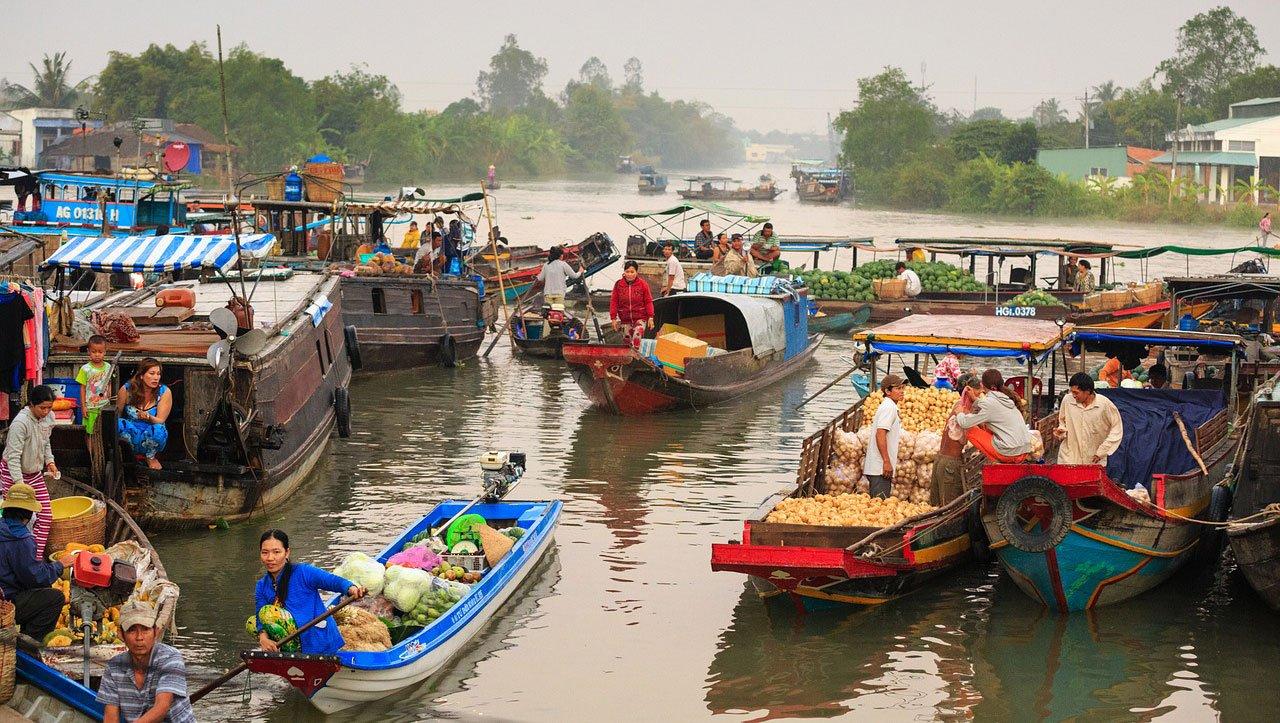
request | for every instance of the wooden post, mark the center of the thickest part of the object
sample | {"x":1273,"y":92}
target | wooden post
{"x":497,"y":261}
{"x":1031,"y":387}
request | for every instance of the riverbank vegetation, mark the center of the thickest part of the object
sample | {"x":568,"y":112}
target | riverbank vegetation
{"x":277,"y":118}
{"x":906,"y":153}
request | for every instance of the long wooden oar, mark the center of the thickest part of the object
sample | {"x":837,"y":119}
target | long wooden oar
{"x":244,"y":666}
{"x":833,"y":382}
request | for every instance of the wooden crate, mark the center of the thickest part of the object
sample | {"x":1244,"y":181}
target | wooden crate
{"x":889,"y":289}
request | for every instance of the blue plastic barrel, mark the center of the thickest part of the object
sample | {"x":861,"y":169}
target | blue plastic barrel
{"x":292,"y":187}
{"x":1188,"y":323}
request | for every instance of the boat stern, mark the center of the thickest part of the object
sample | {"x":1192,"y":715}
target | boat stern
{"x":605,"y":371}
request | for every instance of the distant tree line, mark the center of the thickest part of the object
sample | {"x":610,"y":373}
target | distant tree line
{"x":277,"y":118}
{"x":905,"y":152}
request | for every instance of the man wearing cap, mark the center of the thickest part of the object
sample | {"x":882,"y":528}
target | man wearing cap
{"x":148,"y":682}
{"x":882,"y":453}
{"x":25,"y":580}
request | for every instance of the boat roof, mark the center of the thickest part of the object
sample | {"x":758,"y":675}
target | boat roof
{"x":763,"y":315}
{"x":157,"y":253}
{"x":1146,"y":253}
{"x":1002,"y":246}
{"x":405,"y":206}
{"x":1224,"y":286}
{"x":1158,"y":337}
{"x":695,"y":179}
{"x":85,"y":179}
{"x":969,"y":335}
{"x":697,"y":208}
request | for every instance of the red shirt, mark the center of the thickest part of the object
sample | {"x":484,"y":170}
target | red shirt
{"x":632,"y":302}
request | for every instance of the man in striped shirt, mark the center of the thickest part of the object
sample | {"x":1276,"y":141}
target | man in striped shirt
{"x":149,"y":681}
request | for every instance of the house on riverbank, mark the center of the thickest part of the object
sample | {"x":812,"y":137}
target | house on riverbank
{"x":1079,"y":164}
{"x":96,"y":151}
{"x":1236,"y":156}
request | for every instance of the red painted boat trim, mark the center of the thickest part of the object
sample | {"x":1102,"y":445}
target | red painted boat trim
{"x":1051,"y":561}
{"x":1093,"y":599}
{"x":1135,"y":310}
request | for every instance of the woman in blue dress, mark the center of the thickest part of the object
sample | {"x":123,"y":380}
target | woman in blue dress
{"x":143,"y":406}
{"x":296,"y":587}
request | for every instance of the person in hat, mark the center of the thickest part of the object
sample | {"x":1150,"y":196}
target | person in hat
{"x":882,"y":453}
{"x":24,"y":579}
{"x":149,"y":680}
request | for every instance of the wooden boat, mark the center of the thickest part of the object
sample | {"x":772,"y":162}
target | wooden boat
{"x":74,"y":206}
{"x":651,"y":182}
{"x":404,"y":322}
{"x":764,"y":338}
{"x":716,"y":188}
{"x":243,"y":434}
{"x":825,"y":185}
{"x":1072,"y":538}
{"x":819,"y":567}
{"x":54,"y":690}
{"x":596,"y":253}
{"x":545,"y":335}
{"x":350,"y":679}
{"x":839,"y":322}
{"x":1255,"y":530}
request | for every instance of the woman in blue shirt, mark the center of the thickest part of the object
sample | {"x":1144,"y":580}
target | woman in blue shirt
{"x":296,"y":587}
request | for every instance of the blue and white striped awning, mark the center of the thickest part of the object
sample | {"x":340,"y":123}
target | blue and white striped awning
{"x":157,"y":253}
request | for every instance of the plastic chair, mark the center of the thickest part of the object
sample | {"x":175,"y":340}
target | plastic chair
{"x":1019,"y":385}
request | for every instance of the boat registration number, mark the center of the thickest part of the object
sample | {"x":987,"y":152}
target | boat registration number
{"x":1021,"y":311}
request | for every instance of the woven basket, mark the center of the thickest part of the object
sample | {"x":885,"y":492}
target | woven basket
{"x":889,"y":289}
{"x":496,"y":545}
{"x":8,"y":651}
{"x":1150,"y":292}
{"x":324,"y":182}
{"x":90,"y":529}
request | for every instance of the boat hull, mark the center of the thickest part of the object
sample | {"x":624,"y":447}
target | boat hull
{"x":1255,"y":537}
{"x":617,"y":380}
{"x":401,"y":322}
{"x":739,"y":195}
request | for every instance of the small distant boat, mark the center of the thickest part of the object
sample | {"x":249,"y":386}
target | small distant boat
{"x":716,"y":188}
{"x":651,"y":182}
{"x":544,"y":335}
{"x":839,"y":321}
{"x":824,"y":185}
{"x":626,"y":165}
{"x":761,"y":339}
{"x":334,"y":683}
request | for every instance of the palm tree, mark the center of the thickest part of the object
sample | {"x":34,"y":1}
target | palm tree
{"x":50,"y":88}
{"x":1245,"y":188}
{"x":1104,"y":185}
{"x":1048,"y":113}
{"x":1106,"y":92}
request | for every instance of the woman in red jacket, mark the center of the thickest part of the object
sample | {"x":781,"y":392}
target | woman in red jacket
{"x":631,"y":305}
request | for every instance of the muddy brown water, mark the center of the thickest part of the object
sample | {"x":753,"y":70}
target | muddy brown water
{"x":624,"y":618}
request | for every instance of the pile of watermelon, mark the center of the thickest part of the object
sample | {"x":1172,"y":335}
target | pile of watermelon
{"x":856,"y":285}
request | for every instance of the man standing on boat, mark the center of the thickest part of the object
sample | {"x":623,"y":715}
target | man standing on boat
{"x":673,"y":273}
{"x":554,"y":277}
{"x":149,"y":680}
{"x":704,"y":242}
{"x":766,"y":252}
{"x":882,"y":453}
{"x":1089,"y":425}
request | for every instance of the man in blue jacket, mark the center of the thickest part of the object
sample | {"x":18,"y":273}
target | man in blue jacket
{"x":24,"y":580}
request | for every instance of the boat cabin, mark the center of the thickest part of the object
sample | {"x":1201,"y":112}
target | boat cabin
{"x":1024,"y":257}
{"x":762,"y":326}
{"x":75,"y":201}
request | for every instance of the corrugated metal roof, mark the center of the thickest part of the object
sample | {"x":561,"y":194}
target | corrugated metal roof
{"x":1222,"y":125}
{"x":1257,"y":101}
{"x":1220,"y":158}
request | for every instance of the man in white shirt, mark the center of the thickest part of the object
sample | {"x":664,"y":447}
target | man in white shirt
{"x":914,"y":286}
{"x":673,"y":281}
{"x":882,"y":453}
{"x":1089,"y":425}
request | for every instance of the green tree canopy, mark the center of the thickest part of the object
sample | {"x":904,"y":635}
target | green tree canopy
{"x":593,"y":126}
{"x":892,"y":120}
{"x":1213,"y":47}
{"x":50,"y":86}
{"x":1261,"y":82}
{"x":983,"y":137}
{"x":151,"y":83}
{"x":514,"y":77}
{"x":347,"y":101}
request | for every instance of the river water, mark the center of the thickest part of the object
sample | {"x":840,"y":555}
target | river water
{"x":624,"y":618}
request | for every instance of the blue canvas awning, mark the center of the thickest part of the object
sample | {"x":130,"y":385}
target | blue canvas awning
{"x":157,"y":253}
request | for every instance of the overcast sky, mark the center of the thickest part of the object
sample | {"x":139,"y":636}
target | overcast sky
{"x":768,"y":64}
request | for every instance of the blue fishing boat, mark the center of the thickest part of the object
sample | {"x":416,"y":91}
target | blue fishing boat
{"x":1076,"y":537}
{"x":334,"y":683}
{"x":75,"y":203}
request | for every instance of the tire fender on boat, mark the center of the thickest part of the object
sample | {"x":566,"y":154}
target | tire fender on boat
{"x":1210,"y":547}
{"x":353,"y":347}
{"x":1049,"y":507}
{"x":342,"y":410}
{"x":448,"y":351}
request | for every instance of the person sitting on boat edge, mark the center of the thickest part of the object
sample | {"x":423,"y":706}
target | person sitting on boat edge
{"x":296,"y":588}
{"x":914,"y":287}
{"x":996,"y":426}
{"x":704,"y":242}
{"x":24,"y":579}
{"x":143,"y":405}
{"x":28,"y":457}
{"x":946,"y":484}
{"x":631,"y":305}
{"x":1084,"y":278}
{"x":1089,"y":425}
{"x":554,"y":277}
{"x":147,"y":682}
{"x":766,"y":252}
{"x":738,"y":262}
{"x":673,"y":280}
{"x":882,"y":454}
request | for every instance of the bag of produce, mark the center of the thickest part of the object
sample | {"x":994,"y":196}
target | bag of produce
{"x":362,"y":570}
{"x":418,"y":557}
{"x":378,"y":605}
{"x":278,"y":623}
{"x":405,"y":585}
{"x":361,"y":630}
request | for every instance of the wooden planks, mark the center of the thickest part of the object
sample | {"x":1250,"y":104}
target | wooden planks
{"x":968,"y":330}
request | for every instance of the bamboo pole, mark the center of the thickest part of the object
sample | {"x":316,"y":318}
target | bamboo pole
{"x":497,"y":260}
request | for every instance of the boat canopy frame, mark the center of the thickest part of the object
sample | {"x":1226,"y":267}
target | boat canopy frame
{"x":997,"y":249}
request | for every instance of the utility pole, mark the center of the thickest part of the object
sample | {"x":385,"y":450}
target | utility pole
{"x":975,"y":97}
{"x":1085,"y":106}
{"x":1177,"y":135}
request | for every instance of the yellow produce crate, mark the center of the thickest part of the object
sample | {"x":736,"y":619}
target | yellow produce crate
{"x":709,"y":328}
{"x":673,"y":350}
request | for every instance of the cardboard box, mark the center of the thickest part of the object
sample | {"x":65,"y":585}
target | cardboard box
{"x":673,"y":350}
{"x":708,"y":327}
{"x":675,"y":329}
{"x":889,"y":289}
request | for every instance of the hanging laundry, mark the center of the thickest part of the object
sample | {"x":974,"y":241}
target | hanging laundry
{"x":14,"y":314}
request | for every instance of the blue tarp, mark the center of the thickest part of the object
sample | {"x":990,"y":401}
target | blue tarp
{"x":1121,"y":337}
{"x":1152,"y":443}
{"x":157,"y":253}
{"x":920,"y":348}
